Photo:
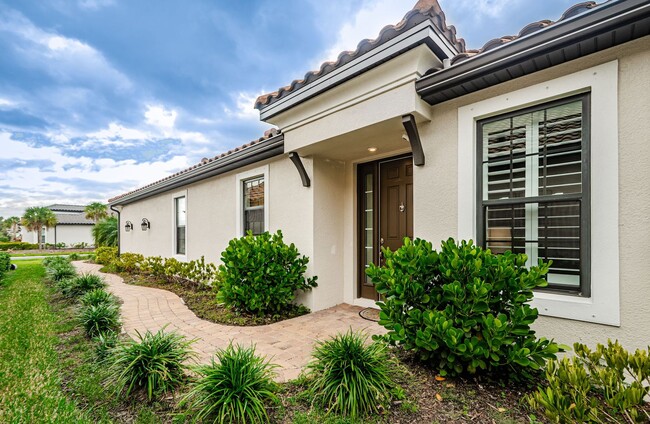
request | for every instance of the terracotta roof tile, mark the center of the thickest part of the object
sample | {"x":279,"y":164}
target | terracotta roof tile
{"x":531,"y":28}
{"x":268,"y":134}
{"x":422,"y":11}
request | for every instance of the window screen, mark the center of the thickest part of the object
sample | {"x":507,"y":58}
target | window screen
{"x":534,"y":188}
{"x":253,"y":217}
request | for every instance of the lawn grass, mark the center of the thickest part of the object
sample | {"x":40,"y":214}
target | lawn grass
{"x":46,"y":360}
{"x":30,"y":383}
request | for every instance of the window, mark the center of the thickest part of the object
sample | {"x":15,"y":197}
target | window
{"x":180,"y":221}
{"x":253,"y":205}
{"x":533,"y":181}
{"x":600,"y":276}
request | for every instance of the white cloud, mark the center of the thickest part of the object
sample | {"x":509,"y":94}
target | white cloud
{"x":6,"y":103}
{"x":367,"y":22}
{"x":33,"y":186}
{"x":95,"y":4}
{"x":159,"y":117}
{"x":66,"y":59}
{"x":244,"y":105}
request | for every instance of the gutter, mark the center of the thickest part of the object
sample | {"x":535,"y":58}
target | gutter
{"x":267,"y":149}
{"x":518,"y":57}
{"x":119,"y":229}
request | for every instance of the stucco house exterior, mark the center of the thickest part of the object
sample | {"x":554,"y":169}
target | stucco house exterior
{"x":72,"y":227}
{"x":537,"y":142}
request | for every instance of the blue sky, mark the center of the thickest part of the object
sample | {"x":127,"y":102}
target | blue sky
{"x":98,"y":97}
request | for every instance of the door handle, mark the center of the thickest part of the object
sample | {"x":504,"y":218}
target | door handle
{"x":402,"y":208}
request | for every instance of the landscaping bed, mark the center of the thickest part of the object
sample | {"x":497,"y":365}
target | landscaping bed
{"x":201,"y":300}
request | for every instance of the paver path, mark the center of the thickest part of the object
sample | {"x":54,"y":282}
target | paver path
{"x":288,"y":343}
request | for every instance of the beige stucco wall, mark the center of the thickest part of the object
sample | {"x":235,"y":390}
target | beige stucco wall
{"x":436,"y":188}
{"x":68,"y":234}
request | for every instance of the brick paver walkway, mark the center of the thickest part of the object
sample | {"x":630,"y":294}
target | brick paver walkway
{"x":288,"y":343}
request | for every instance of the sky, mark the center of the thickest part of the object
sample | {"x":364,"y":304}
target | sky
{"x":98,"y":97}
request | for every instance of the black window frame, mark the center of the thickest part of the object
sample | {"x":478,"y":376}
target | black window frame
{"x":177,"y":251}
{"x":244,"y":209}
{"x":584,"y":198}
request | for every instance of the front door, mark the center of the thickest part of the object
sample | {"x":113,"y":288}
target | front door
{"x":386,"y":212}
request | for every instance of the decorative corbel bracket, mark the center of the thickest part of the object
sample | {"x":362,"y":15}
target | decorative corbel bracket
{"x":414,"y":138}
{"x":306,"y":182}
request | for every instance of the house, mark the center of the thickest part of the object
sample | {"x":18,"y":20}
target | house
{"x":72,"y":228}
{"x":537,"y":142}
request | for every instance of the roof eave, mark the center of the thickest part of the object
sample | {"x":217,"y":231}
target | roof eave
{"x":608,"y":25}
{"x":270,"y":148}
{"x":423,"y":33}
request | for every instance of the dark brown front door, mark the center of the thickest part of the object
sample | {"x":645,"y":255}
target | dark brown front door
{"x":385,"y":212}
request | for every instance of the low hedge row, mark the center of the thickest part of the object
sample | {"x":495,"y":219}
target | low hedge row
{"x":17,"y":245}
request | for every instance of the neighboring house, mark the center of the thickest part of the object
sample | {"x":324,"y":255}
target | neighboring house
{"x":538,"y":143}
{"x":72,"y":227}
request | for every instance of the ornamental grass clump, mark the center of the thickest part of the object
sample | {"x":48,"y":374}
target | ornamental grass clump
{"x":236,"y":388}
{"x":60,"y":270}
{"x":80,"y":285}
{"x":350,"y":376}
{"x":97,"y":296}
{"x":463,"y":309}
{"x":154,"y":363}
{"x":98,"y":319}
{"x":261,"y":275}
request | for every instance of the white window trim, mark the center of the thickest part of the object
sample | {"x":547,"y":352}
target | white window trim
{"x":601,"y":81}
{"x":176,"y":195}
{"x":262,"y":171}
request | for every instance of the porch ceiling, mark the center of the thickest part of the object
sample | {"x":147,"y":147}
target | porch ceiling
{"x":385,"y":136}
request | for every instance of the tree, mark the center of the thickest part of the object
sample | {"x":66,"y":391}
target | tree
{"x":12,"y":224}
{"x":35,"y":218}
{"x":105,"y":232}
{"x":96,"y":211}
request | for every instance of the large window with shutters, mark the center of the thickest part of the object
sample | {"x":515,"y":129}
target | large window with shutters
{"x":533,"y":181}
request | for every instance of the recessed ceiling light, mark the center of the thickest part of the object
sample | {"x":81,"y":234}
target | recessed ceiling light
{"x":372,"y":149}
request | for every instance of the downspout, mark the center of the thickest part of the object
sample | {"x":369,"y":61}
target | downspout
{"x":119,"y":223}
{"x":55,"y":247}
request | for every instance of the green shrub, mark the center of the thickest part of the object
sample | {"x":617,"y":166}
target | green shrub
{"x":349,"y":376}
{"x":463,"y":309}
{"x":154,"y":362}
{"x":17,"y":245}
{"x":55,"y":260}
{"x":128,"y":262}
{"x":105,"y":343}
{"x":59,"y":270}
{"x":261,"y":274}
{"x":97,"y":296}
{"x":101,"y":318}
{"x":74,"y":256}
{"x":5,"y":263}
{"x":592,"y":386}
{"x":81,"y":284}
{"x":105,"y":255}
{"x":153,"y":265}
{"x":235,"y":389}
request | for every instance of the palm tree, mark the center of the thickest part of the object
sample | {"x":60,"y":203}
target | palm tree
{"x":96,"y":211}
{"x":13,"y":226}
{"x":35,"y":218}
{"x":105,"y":232}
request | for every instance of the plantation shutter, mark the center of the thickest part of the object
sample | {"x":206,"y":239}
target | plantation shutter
{"x":532,"y":183}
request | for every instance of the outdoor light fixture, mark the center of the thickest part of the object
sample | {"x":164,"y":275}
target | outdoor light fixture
{"x":129,"y":226}
{"x":145,"y":224}
{"x":372,"y":149}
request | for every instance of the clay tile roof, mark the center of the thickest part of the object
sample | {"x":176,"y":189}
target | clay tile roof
{"x":268,"y":134}
{"x":422,"y":11}
{"x":531,"y":28}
